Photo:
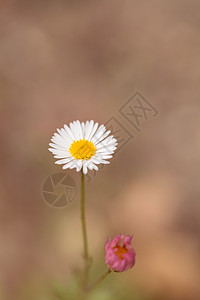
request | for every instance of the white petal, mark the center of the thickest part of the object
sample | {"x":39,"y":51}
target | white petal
{"x":68,"y":165}
{"x":78,"y":165}
{"x":58,"y":137}
{"x":69,"y":132}
{"x":62,"y":133}
{"x":83,"y":126}
{"x":84,"y":169}
{"x":92,"y":166}
{"x":58,"y":147}
{"x":98,"y":134}
{"x":74,"y":131}
{"x":93,"y":131}
{"x":103,"y":156}
{"x":85,"y":165}
{"x":106,"y":162}
{"x":104,"y":151}
{"x":64,"y":161}
{"x":63,"y":144}
{"x":89,"y":129}
{"x":59,"y":154}
{"x":102,"y":137}
{"x":80,"y":130}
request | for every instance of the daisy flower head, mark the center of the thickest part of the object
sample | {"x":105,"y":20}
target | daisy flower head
{"x":120,"y":255}
{"x":82,"y":145}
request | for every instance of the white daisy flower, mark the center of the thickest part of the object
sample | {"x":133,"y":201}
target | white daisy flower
{"x":83,"y":145}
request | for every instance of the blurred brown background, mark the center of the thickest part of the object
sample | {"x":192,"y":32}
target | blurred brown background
{"x":66,"y":60}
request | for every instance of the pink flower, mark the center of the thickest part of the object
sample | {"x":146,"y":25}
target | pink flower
{"x":120,"y":255}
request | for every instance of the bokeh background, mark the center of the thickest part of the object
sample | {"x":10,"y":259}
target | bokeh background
{"x":66,"y":60}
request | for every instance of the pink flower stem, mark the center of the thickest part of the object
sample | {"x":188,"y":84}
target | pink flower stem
{"x":99,"y":280}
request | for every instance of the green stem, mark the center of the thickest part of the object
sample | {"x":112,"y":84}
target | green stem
{"x":84,"y":231}
{"x":101,"y":278}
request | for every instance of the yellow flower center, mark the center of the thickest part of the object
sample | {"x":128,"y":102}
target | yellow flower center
{"x":120,"y":251}
{"x":82,"y":149}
